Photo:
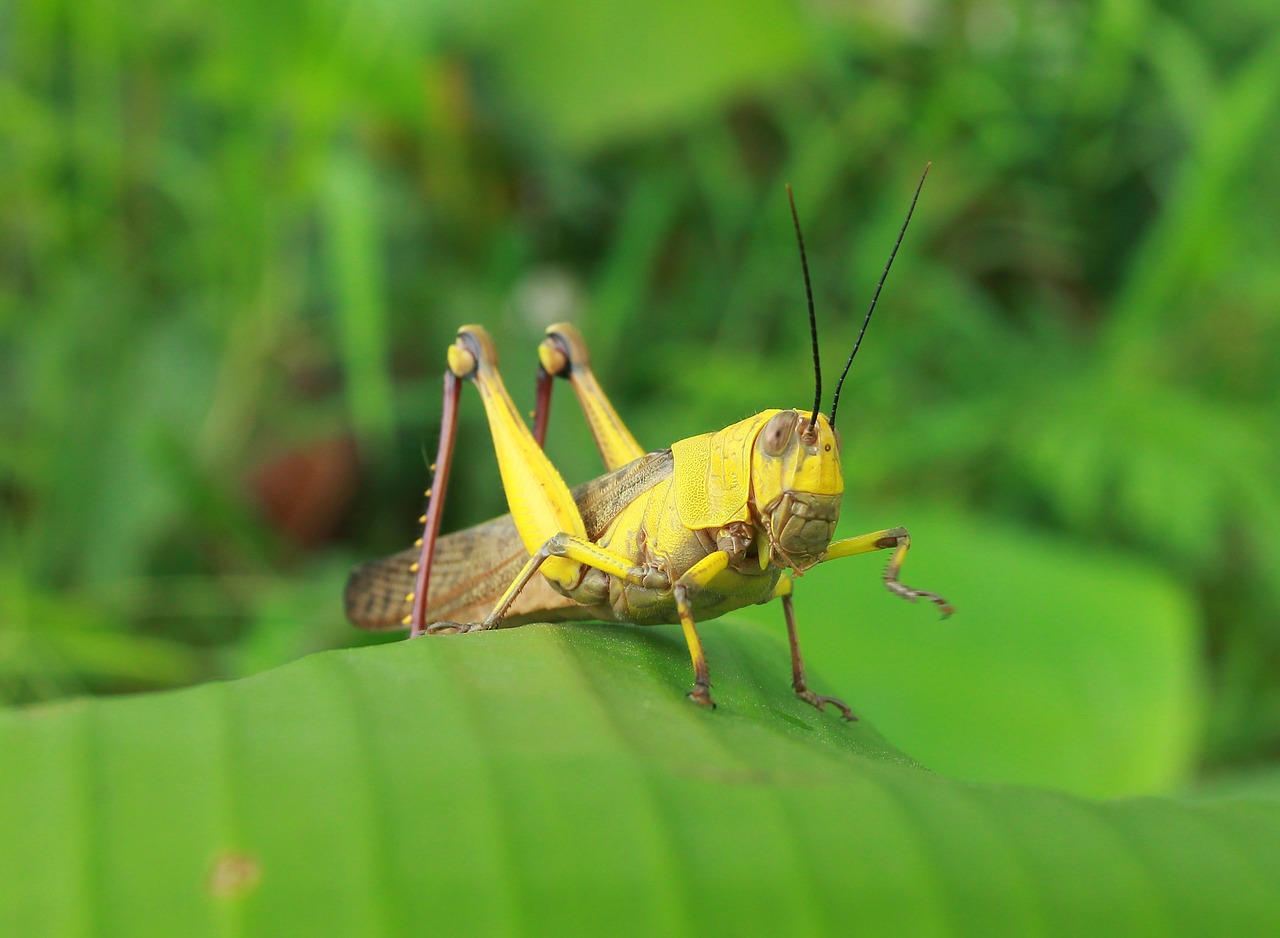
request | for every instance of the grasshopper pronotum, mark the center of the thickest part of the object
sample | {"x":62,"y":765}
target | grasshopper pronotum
{"x":715,"y":523}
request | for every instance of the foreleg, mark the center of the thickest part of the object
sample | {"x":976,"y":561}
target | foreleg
{"x":898,"y":541}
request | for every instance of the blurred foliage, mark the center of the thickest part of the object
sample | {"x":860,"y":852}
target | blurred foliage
{"x":235,"y":241}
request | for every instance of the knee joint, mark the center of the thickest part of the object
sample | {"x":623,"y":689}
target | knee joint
{"x":557,"y":545}
{"x":894,"y":537}
{"x":561,"y":350}
{"x":472,"y":349}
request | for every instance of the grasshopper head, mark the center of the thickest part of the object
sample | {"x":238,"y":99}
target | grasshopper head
{"x":796,"y":487}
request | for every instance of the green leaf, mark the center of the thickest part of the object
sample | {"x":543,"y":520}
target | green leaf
{"x":565,"y":61}
{"x":552,"y":780}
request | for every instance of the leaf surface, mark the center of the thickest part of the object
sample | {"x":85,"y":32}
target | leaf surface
{"x":552,"y":780}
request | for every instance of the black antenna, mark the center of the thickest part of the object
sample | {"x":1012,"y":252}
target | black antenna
{"x":813,"y":322}
{"x":835,"y":400}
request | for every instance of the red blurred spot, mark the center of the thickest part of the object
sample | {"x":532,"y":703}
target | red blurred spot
{"x":306,"y":492}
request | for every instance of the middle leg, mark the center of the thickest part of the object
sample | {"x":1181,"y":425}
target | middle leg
{"x":579,"y":551}
{"x":898,"y":541}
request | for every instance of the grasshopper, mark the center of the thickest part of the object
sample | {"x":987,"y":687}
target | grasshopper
{"x":712,"y":524}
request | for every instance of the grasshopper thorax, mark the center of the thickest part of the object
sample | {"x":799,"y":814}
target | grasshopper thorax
{"x":796,"y":486}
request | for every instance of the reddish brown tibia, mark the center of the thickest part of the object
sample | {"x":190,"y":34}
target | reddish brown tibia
{"x":553,"y":360}
{"x":435,"y":502}
{"x":542,"y":411}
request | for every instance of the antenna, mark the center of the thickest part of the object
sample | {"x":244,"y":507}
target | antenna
{"x":813,"y":322}
{"x":835,"y":400}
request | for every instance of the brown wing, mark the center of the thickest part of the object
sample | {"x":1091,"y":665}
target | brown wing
{"x":471,"y":569}
{"x":473,"y":566}
{"x":601,"y":500}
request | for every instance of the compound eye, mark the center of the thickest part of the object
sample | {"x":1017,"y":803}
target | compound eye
{"x":839,"y":444}
{"x":777,"y":432}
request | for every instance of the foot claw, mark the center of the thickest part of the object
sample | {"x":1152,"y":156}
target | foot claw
{"x":913,"y":595}
{"x":701,"y":696}
{"x":451,"y":628}
{"x":945,"y":607}
{"x":937,"y":600}
{"x":817,"y":700}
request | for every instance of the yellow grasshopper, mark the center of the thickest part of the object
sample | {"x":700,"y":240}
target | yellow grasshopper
{"x":715,"y":523}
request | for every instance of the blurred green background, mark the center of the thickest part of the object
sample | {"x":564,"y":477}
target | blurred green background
{"x":235,"y":241}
